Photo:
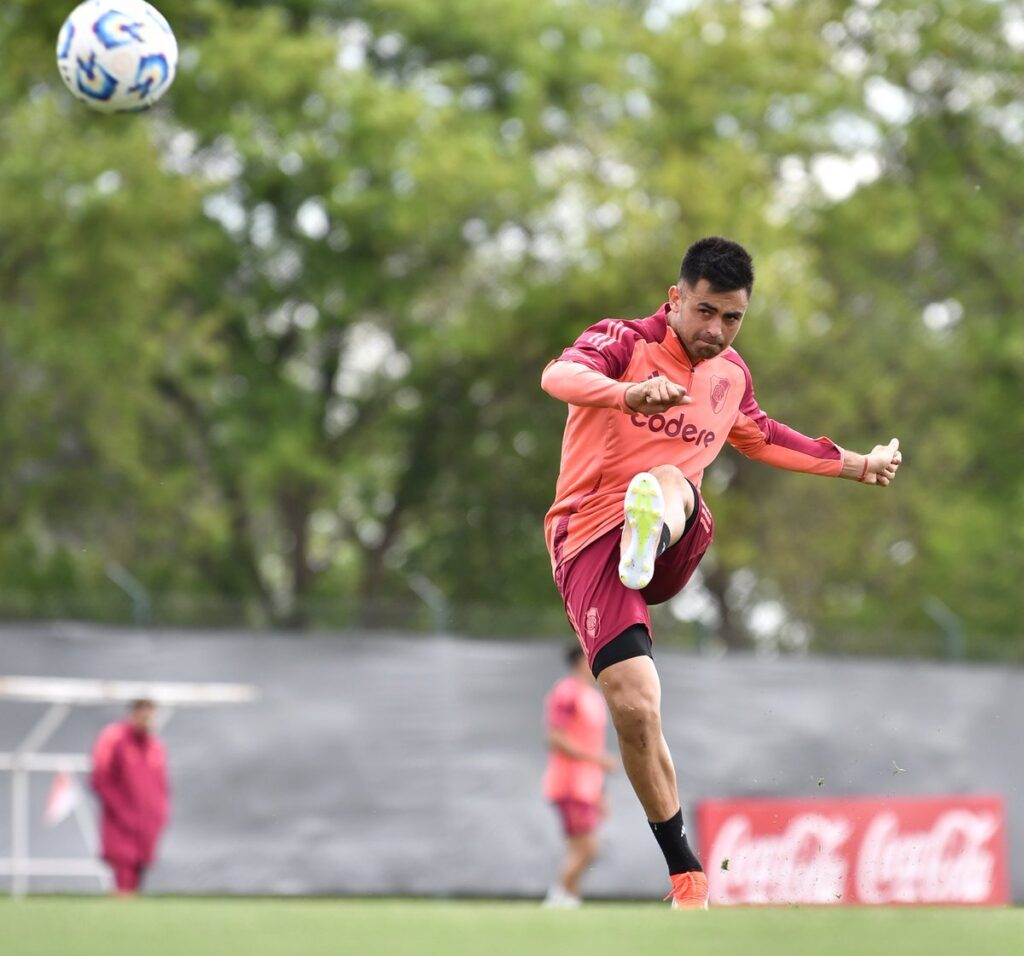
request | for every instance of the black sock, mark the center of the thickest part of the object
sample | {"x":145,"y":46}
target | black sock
{"x":666,"y":537}
{"x":671,"y":837}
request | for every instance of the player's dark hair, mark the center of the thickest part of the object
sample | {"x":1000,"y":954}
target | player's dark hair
{"x":573,"y":653}
{"x":139,"y":703}
{"x":725,"y":264}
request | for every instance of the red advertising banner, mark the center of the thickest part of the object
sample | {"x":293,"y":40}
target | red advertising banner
{"x":927,"y":850}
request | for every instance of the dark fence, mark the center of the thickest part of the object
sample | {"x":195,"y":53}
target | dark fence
{"x":376,"y":763}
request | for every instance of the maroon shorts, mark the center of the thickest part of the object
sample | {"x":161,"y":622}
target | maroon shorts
{"x":578,"y":818}
{"x":600,"y":607}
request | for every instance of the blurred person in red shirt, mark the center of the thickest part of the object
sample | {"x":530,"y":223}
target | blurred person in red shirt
{"x":129,"y":775}
{"x":576,"y":719}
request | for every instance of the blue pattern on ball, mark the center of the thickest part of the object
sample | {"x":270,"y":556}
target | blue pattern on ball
{"x":152,"y":72}
{"x":94,"y":81}
{"x":115,"y":29}
{"x":67,"y":34}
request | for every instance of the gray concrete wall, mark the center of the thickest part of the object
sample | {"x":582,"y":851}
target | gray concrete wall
{"x":376,"y":764}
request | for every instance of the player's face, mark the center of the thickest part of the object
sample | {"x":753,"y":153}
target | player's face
{"x":142,"y":717}
{"x":705,"y":321}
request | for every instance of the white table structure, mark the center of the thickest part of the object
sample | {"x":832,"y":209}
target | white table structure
{"x":61,"y":695}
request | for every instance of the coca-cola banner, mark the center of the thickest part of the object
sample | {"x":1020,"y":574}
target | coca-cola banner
{"x":929,"y":850}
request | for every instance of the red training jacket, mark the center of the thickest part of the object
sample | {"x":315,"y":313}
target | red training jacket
{"x":129,"y":775}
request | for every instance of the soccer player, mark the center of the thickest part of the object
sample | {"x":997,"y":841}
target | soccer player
{"x":576,"y":719}
{"x":652,"y":402}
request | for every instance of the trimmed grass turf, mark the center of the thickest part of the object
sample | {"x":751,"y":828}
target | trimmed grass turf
{"x":169,"y":926}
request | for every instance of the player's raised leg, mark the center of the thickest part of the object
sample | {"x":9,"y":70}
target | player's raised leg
{"x":656,"y":506}
{"x":633,"y":692}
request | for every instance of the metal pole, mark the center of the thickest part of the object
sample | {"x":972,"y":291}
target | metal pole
{"x":44,"y":729}
{"x":951,"y":625}
{"x":19,"y":830}
{"x":36,"y":737}
{"x":164,"y":713}
{"x":433,"y":597}
{"x":133,"y":587}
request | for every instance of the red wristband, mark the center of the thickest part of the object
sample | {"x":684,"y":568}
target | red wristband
{"x":864,"y":472}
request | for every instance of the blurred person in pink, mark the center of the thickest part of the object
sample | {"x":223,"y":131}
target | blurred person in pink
{"x":129,"y":775}
{"x":577,"y":720}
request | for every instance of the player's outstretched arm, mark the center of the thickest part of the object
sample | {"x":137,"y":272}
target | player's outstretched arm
{"x":577,"y":384}
{"x":655,"y":395}
{"x":877,"y":467}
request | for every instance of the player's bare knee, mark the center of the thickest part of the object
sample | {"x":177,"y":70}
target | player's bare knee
{"x":637,"y":719}
{"x":676,"y":489}
{"x":668,"y":475}
{"x":623,"y":691}
{"x":639,"y":730}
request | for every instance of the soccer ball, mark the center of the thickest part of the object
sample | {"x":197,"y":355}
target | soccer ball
{"x":117,"y":55}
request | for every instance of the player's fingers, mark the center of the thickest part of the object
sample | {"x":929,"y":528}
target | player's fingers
{"x":662,"y":403}
{"x":894,"y":444}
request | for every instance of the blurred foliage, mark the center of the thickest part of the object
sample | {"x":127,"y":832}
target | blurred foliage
{"x":276,"y":344}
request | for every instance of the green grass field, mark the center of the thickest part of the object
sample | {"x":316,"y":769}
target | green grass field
{"x":56,"y":926}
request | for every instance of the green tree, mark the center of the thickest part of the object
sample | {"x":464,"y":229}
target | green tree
{"x":278,"y":342}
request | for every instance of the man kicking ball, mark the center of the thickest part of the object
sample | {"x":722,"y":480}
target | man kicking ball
{"x":652,"y":402}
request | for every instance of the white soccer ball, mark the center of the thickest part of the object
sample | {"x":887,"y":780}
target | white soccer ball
{"x":117,"y":55}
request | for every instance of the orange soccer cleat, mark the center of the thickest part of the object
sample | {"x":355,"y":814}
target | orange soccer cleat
{"x":689,"y":891}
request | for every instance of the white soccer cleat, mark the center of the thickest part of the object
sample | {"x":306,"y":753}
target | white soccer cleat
{"x":644,"y":507}
{"x":559,"y":899}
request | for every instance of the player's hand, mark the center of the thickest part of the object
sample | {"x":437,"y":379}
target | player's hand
{"x":882,"y":462}
{"x":657,"y":394}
